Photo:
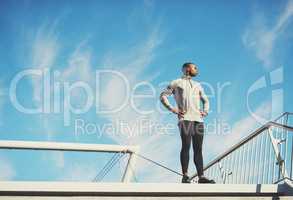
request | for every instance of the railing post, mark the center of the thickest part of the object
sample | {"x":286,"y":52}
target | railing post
{"x":224,"y":174}
{"x":129,"y":167}
{"x":280,"y":160}
{"x":221,"y":171}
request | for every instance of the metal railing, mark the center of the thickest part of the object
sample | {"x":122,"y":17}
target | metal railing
{"x":264,"y":157}
{"x":59,"y":146}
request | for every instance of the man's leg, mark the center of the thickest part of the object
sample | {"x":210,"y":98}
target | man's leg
{"x":197,"y":139}
{"x":185,"y":128}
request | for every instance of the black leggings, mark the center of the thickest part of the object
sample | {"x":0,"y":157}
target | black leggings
{"x":191,"y":130}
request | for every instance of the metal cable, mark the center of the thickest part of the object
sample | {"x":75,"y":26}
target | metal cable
{"x":108,"y":166}
{"x":120,"y":155}
{"x":104,"y":168}
{"x":158,"y":164}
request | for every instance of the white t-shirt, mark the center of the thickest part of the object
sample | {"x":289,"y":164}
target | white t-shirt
{"x":188,"y":95}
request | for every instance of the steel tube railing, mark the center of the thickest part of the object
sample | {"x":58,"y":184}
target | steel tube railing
{"x":254,"y":158}
{"x":60,"y":146}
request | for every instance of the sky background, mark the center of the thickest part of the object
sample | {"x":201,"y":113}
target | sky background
{"x":234,"y":43}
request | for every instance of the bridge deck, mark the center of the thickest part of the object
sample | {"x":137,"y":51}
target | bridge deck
{"x":139,"y":189}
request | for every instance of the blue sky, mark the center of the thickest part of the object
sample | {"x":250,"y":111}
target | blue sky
{"x":234,"y":43}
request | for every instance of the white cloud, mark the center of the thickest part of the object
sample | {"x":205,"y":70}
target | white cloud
{"x":44,"y":52}
{"x":138,"y":59}
{"x":79,"y":68}
{"x":6,"y":170}
{"x":45,"y":49}
{"x":262,"y":38}
{"x":79,"y":64}
{"x":133,"y":64}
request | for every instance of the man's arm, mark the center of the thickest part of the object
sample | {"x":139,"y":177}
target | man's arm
{"x":164,"y":99}
{"x":165,"y":94}
{"x":205,"y":100}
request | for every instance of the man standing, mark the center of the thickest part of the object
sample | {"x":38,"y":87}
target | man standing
{"x":188,"y":96}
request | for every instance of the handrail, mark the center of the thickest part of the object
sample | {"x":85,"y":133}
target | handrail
{"x":282,"y":115}
{"x":82,"y":147}
{"x":62,"y":146}
{"x":248,"y":138}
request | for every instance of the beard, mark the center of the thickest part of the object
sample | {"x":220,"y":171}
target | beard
{"x":193,"y":74}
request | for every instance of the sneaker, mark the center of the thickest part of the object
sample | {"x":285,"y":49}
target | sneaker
{"x":185,"y":179}
{"x":206,"y":180}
